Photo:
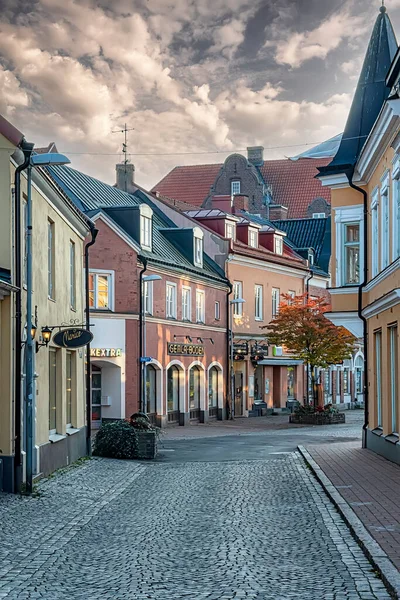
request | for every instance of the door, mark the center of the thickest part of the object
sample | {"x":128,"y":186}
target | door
{"x":151,"y":390}
{"x":96,"y":397}
{"x":194,"y":393}
{"x":213,"y":392}
{"x":239,"y":394}
{"x":173,"y":385}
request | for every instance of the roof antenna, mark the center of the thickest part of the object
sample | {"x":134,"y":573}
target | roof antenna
{"x":125,"y":143}
{"x":383,"y":7}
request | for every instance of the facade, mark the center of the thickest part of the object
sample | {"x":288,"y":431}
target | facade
{"x":177,"y":320}
{"x":365,"y":239}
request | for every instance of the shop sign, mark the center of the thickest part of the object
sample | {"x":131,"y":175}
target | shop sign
{"x":185,"y":349}
{"x":105,"y":352}
{"x":73,"y":338}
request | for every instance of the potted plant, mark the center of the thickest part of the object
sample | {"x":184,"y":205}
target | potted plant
{"x":133,"y":438}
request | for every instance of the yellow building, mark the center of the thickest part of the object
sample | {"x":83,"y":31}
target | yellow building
{"x":365,"y":180}
{"x":59,"y":230}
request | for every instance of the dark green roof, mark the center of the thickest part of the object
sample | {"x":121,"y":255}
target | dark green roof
{"x":92,"y":195}
{"x":370,"y":95}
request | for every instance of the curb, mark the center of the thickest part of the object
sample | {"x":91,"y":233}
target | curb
{"x":379,"y":559}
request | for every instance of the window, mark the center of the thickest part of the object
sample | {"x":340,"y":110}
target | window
{"x":311,"y":257}
{"x":258,"y":293}
{"x":173,"y":391}
{"x":151,"y":389}
{"x":217,"y":312}
{"x":200,"y":312}
{"x":359,"y":368}
{"x":96,"y":394}
{"x":275,"y":301}
{"x":396,"y":219}
{"x":237,"y":293}
{"x":171,"y":301}
{"x":50,"y":259}
{"x":235,"y":187}
{"x":384,"y":225}
{"x":72,"y":275}
{"x":230,"y":231}
{"x":292,"y":295}
{"x":146,"y":220}
{"x":70,"y":386}
{"x":194,"y":388}
{"x":375,"y":234}
{"x":320,"y":215}
{"x":253,"y":238}
{"x":100,"y":291}
{"x":378,"y":377}
{"x":393,"y":362}
{"x":52,"y":391}
{"x":212,"y":390}
{"x":148,"y":297}
{"x":346,"y":380}
{"x":278,"y":244}
{"x":351,"y":254}
{"x":186,"y":304}
{"x":198,"y":246}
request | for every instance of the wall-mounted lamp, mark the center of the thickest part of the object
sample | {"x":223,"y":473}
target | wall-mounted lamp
{"x":33,"y":330}
{"x":46,"y":337}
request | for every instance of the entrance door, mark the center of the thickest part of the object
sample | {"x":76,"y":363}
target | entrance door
{"x":213,"y":392}
{"x":173,"y":384}
{"x":151,"y":390}
{"x":194,"y":393}
{"x":96,"y":397}
{"x":239,"y":394}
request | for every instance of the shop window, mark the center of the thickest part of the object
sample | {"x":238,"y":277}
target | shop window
{"x":100,"y":290}
{"x":359,"y":369}
{"x":173,"y":391}
{"x":70,"y":387}
{"x":393,"y":362}
{"x":52,"y":391}
{"x":346,"y":380}
{"x":194,"y":391}
{"x":378,"y":376}
{"x":151,"y":389}
{"x":290,"y":382}
{"x":212,"y":389}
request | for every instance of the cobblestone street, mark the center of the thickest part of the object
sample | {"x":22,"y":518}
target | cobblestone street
{"x":176,"y":528}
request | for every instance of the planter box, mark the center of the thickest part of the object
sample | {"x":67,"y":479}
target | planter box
{"x":147,"y":444}
{"x":318,"y":419}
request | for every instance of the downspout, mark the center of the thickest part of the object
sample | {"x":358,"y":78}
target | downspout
{"x":229,"y":335}
{"x":308,"y":364}
{"x":362,"y":285}
{"x":94,"y":233}
{"x":141,"y":380}
{"x":27,"y":149}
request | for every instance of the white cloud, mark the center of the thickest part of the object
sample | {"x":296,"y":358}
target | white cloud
{"x":228,"y":37}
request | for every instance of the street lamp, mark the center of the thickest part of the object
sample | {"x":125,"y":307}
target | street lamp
{"x":37,"y":160}
{"x":235,"y":302}
{"x":145,"y":279}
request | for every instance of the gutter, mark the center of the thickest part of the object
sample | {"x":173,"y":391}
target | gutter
{"x":350,"y":174}
{"x":229,"y":362}
{"x":142,"y":383}
{"x":94,"y":233}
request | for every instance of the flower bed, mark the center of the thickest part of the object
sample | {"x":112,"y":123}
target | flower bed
{"x":133,"y":439}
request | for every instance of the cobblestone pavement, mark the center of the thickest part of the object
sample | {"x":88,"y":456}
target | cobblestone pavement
{"x":114,"y":530}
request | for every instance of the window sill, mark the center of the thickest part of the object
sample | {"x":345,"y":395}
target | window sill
{"x":393,"y":438}
{"x":56,"y":437}
{"x":72,"y":430}
{"x":377,"y":431}
{"x":259,"y":319}
{"x":51,"y":299}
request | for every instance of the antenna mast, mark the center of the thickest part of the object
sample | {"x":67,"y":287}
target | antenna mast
{"x":125,"y":143}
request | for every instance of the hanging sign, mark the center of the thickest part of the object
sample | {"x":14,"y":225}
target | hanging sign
{"x":73,"y":338}
{"x":185,"y":349}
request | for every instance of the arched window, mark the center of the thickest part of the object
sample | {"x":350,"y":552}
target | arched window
{"x":151,"y":389}
{"x":213,"y":384}
{"x":173,"y":385}
{"x":194,"y":388}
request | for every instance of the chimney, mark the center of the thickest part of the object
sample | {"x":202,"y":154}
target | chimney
{"x":223,"y":203}
{"x":277,"y":212}
{"x":240,"y":202}
{"x":125,"y":177}
{"x":255,"y":155}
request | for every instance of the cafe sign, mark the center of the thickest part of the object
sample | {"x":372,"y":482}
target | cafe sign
{"x":105,"y":352}
{"x":185,"y":349}
{"x":73,"y":338}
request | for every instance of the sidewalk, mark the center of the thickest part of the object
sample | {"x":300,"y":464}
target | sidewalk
{"x":370,"y":485}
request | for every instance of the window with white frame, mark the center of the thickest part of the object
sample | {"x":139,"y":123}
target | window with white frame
{"x":378,"y":376}
{"x":346,"y":380}
{"x":396,"y":208}
{"x":53,"y":391}
{"x":351,"y":243}
{"x":385,"y":240}
{"x":258,"y":295}
{"x":235,"y":187}
{"x":50,"y":259}
{"x":375,"y":234}
{"x":72,"y":275}
{"x":200,"y":306}
{"x":237,"y":293}
{"x":217,"y":311}
{"x":198,"y":247}
{"x":275,"y":301}
{"x":393,"y":362}
{"x":349,"y":237}
{"x":253,"y":238}
{"x":171,"y":300}
{"x":291,"y":294}
{"x":186,"y":303}
{"x":278,"y":241}
{"x":100,"y":290}
{"x":311,"y":257}
{"x":148,"y":297}
{"x":230,"y":230}
{"x":320,"y":215}
{"x":146,"y":224}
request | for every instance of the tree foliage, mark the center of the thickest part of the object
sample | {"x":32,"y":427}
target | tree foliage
{"x":302,"y":327}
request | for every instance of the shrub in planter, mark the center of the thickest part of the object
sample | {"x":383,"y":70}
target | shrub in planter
{"x":136,"y":438}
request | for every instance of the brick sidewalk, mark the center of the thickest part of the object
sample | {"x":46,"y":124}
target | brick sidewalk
{"x":370,"y":484}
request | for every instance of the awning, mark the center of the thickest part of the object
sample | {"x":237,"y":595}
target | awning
{"x":280,"y":362}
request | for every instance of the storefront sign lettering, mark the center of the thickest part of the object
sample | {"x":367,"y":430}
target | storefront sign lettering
{"x":105,"y":352}
{"x":73,"y":338}
{"x":185,"y":349}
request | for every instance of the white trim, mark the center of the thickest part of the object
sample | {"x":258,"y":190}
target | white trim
{"x":336,"y":181}
{"x":390,"y":269}
{"x":396,"y":213}
{"x":375,"y":232}
{"x":156,"y":320}
{"x":384,"y":303}
{"x":384,"y":222}
{"x":191,"y":277}
{"x":350,"y":320}
{"x":349,"y":289}
{"x":319,"y":281}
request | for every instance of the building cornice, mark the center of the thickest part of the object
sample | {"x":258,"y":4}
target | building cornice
{"x":392,"y":268}
{"x":348,"y":319}
{"x":338,"y":291}
{"x":384,"y":303}
{"x":272,"y":267}
{"x":336,"y":181}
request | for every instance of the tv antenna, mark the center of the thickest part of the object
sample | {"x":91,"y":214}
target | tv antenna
{"x":125,"y":143}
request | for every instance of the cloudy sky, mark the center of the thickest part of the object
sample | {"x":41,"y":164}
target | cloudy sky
{"x":196,"y":79}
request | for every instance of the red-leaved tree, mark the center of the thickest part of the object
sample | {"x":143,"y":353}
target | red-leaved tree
{"x":302,"y":327}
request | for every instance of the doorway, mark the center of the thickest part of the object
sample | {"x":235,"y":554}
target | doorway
{"x":238,"y":393}
{"x":173,"y":392}
{"x":194,"y":393}
{"x":96,"y":396}
{"x":151,"y":391}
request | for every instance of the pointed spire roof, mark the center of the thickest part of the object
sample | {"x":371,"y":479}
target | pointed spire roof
{"x":370,"y":94}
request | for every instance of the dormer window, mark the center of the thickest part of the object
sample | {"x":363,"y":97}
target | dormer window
{"x":198,"y":247}
{"x":278,"y":242}
{"x":311,"y":257}
{"x":146,"y":227}
{"x":235,"y":187}
{"x":253,"y":238}
{"x":230,"y":230}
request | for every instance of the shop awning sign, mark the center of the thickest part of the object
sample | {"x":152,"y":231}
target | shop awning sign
{"x":73,"y":338}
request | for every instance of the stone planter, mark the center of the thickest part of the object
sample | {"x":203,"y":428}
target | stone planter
{"x":147,"y":444}
{"x":318,"y":418}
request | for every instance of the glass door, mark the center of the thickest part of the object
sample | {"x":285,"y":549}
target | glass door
{"x":96,"y":396}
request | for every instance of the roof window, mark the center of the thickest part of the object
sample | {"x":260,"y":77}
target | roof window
{"x":198,"y":246}
{"x":146,"y":227}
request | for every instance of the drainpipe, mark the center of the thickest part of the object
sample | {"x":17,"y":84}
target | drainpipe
{"x":362,"y":285}
{"x":27,"y":149}
{"x":142,"y":383}
{"x":229,"y":351}
{"x":94,"y":233}
{"x":308,"y":364}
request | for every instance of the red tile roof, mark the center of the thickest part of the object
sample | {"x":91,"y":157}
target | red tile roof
{"x":293,"y":183}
